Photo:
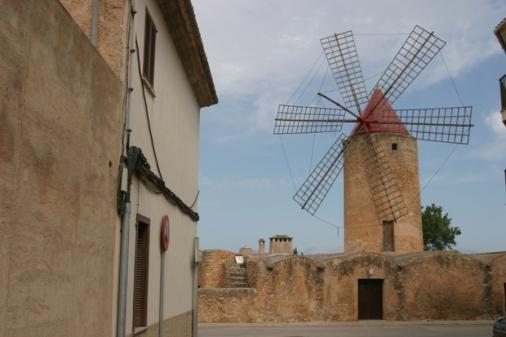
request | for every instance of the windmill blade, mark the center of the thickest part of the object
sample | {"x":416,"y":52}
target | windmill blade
{"x":292,"y":119}
{"x":384,"y":188}
{"x":316,"y":186}
{"x":445,"y":125}
{"x":344,"y":64}
{"x":415,"y":54}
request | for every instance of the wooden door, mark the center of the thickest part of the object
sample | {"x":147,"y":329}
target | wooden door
{"x":370,"y":299}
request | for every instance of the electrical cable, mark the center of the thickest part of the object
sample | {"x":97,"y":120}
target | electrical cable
{"x":146,"y":108}
{"x":454,"y":146}
{"x":305,"y":77}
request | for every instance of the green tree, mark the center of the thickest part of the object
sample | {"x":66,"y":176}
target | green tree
{"x":438,"y":234}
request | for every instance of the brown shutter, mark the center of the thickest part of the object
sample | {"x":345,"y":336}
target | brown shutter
{"x":148,"y":67}
{"x":140,"y":301}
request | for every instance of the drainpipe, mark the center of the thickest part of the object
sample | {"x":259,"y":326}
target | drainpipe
{"x":162,"y":281}
{"x":131,"y":160}
{"x":196,"y":262}
{"x":94,"y":22}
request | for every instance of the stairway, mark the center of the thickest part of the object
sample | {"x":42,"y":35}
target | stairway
{"x":235,"y":276}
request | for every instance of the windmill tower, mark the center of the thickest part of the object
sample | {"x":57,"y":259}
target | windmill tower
{"x":379,"y":157}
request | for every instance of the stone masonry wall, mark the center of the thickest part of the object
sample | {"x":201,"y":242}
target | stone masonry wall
{"x":111,"y":32}
{"x":427,"y":285}
{"x":212,"y":268}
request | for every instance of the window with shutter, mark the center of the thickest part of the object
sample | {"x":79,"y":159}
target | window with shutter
{"x":148,"y":68}
{"x":140,"y":300}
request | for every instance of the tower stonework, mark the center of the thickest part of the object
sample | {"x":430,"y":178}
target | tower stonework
{"x":280,"y":245}
{"x":364,"y":229}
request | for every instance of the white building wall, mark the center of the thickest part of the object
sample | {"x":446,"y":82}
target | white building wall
{"x":175,"y":118}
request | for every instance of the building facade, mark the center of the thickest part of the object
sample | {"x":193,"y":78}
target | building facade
{"x":139,"y":115}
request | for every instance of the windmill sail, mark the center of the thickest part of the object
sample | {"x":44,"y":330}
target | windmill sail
{"x":445,"y":125}
{"x":415,"y":54}
{"x":294,"y":119}
{"x":344,"y":64}
{"x":316,"y":186}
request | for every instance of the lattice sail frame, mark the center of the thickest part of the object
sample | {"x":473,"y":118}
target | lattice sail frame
{"x":448,"y":124}
{"x":294,"y":119}
{"x":313,"y":191}
{"x":342,"y":57}
{"x":443,"y":125}
{"x":415,"y":54}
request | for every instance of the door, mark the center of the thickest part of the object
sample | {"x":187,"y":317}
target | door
{"x":370,"y":299}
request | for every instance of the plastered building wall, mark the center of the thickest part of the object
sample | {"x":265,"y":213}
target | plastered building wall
{"x":175,"y":116}
{"x":427,"y":285}
{"x":363,"y":230}
{"x":60,"y":119}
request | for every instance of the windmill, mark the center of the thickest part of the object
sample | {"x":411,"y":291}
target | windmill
{"x":379,"y":156}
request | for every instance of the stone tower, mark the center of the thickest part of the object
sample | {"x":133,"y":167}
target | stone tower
{"x":366,"y":229}
{"x":280,"y":244}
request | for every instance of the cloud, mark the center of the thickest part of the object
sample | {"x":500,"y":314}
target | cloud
{"x":261,"y":50}
{"x":495,"y":149}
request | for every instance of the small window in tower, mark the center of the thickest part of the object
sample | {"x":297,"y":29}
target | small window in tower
{"x":394,"y":146}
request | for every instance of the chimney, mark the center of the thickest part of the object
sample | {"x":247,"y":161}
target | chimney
{"x":261,"y":247}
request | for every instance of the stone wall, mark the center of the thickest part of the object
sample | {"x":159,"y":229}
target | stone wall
{"x":427,"y":285}
{"x":60,"y":133}
{"x":363,"y":228}
{"x":111,"y":32}
{"x":212,"y":268}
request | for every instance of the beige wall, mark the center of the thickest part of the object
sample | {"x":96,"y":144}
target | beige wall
{"x":175,"y":117}
{"x":363,"y":230}
{"x":60,"y":145}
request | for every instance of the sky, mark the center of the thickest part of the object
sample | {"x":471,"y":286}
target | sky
{"x":265,"y":53}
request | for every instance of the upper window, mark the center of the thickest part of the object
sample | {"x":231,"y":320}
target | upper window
{"x":502,"y":84}
{"x":148,"y":70}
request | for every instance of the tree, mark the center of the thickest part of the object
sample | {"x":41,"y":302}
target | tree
{"x":438,"y":234}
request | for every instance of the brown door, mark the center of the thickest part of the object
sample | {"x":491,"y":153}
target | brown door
{"x":370,"y":299}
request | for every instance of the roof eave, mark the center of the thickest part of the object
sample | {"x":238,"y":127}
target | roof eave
{"x":183,"y":28}
{"x":500,"y":32}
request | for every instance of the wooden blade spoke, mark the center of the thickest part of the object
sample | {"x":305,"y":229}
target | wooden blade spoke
{"x":445,"y":125}
{"x":415,"y":54}
{"x":316,"y":186}
{"x":382,"y":182}
{"x":292,"y":119}
{"x":344,"y":64}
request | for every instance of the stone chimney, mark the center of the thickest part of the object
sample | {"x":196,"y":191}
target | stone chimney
{"x":261,"y":247}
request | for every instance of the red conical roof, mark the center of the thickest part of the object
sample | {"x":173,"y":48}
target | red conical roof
{"x":378,"y":109}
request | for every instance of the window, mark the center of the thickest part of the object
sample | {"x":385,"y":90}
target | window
{"x":141,"y":273}
{"x":388,"y":236}
{"x":394,"y":146}
{"x":148,"y":69}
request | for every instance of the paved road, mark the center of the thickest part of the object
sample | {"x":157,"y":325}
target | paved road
{"x":358,"y":329}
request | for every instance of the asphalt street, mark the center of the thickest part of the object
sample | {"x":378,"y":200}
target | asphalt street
{"x":355,"y":329}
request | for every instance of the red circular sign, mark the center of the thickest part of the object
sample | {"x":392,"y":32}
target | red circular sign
{"x":165,"y":232}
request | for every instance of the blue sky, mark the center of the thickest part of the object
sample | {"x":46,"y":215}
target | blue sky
{"x":260,"y":53}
